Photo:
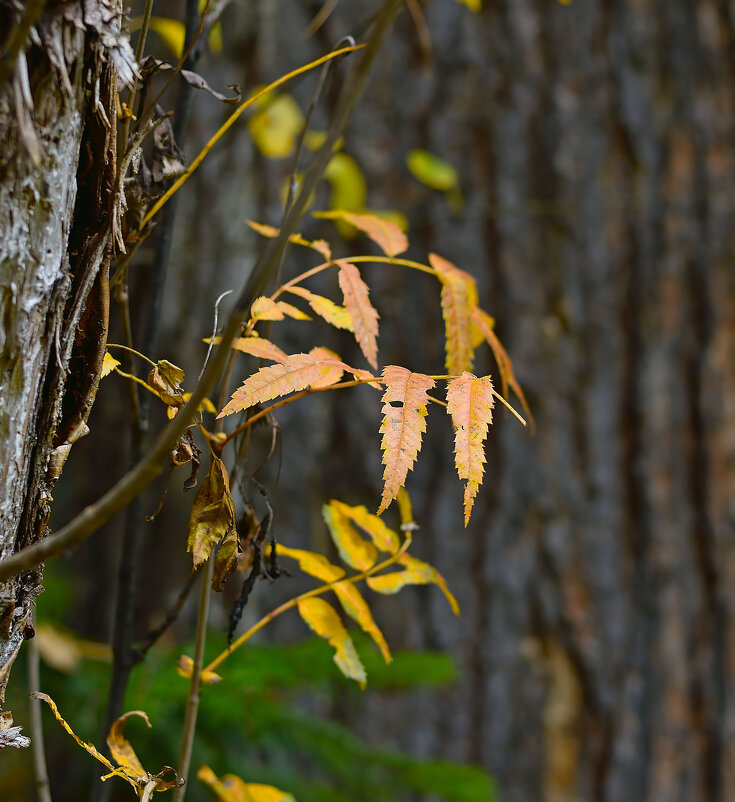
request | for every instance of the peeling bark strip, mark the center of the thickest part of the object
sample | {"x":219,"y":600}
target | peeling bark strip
{"x":57,"y":179}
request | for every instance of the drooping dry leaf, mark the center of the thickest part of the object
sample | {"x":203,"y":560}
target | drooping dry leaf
{"x":384,"y":233}
{"x":415,"y":572}
{"x":470,"y":403}
{"x":166,"y":380}
{"x":225,"y":560}
{"x":88,"y":747}
{"x":212,"y":514}
{"x":120,"y":749}
{"x":458,"y":298}
{"x":232,"y":789}
{"x":363,"y":313}
{"x":297,"y":372}
{"x":185,"y":667}
{"x":382,"y":536}
{"x":327,"y":309}
{"x":484,"y":323}
{"x":357,"y":552}
{"x":323,"y":619}
{"x":109,"y":363}
{"x":265,"y":308}
{"x":402,"y":426}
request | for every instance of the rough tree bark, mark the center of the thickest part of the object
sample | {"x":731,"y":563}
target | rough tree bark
{"x":57,"y":191}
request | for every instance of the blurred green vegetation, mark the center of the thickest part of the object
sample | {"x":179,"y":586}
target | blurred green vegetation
{"x":267,"y":721}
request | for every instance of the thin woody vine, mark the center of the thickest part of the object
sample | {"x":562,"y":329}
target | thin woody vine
{"x":225,"y":541}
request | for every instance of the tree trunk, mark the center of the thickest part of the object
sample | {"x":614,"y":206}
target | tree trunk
{"x":57,"y":190}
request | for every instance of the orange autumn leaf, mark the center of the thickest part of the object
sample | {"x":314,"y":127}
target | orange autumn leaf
{"x":363,"y":313}
{"x":470,"y":403}
{"x":254,"y":346}
{"x":265,"y":308}
{"x":296,"y":372}
{"x":337,"y":367}
{"x":402,"y":426}
{"x":384,"y":233}
{"x":458,"y":299}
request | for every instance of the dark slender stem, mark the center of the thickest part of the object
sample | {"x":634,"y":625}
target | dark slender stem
{"x":40,"y":771}
{"x":130,"y":485}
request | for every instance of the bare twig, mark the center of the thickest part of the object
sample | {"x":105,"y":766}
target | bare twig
{"x":40,"y":771}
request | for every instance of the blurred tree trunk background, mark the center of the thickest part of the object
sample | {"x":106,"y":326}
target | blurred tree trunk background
{"x":594,"y":144}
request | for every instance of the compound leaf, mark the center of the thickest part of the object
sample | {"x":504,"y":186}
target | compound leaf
{"x":458,"y":299}
{"x":470,"y":403}
{"x":363,"y":313}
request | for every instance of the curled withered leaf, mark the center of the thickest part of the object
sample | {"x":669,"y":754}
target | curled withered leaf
{"x":166,"y":380}
{"x":152,"y":65}
{"x":120,"y":748}
{"x":225,"y":560}
{"x":167,"y":160}
{"x":212,"y":514}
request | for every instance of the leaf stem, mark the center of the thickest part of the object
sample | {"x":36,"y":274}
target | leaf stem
{"x":266,"y":619}
{"x":230,"y":122}
{"x":132,"y":351}
{"x":40,"y":770}
{"x":134,"y":378}
{"x":263,"y":412}
{"x":508,"y":406}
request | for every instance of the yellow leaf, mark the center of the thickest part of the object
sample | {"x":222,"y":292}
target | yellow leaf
{"x":405,"y":510}
{"x":63,"y":651}
{"x":402,"y":427}
{"x":470,"y":403}
{"x":415,"y":572}
{"x":171,"y":31}
{"x":362,"y":313}
{"x":274,"y":128}
{"x":109,"y":363}
{"x":292,"y":311}
{"x":205,"y":405}
{"x":297,"y":372}
{"x":120,"y":748}
{"x":431,"y":170}
{"x":328,"y":357}
{"x":382,"y":536}
{"x":459,"y":299}
{"x":212,"y":514}
{"x":185,"y":667}
{"x":354,"y":604}
{"x":88,"y":747}
{"x":265,"y":308}
{"x":323,"y":619}
{"x":476,"y":5}
{"x":312,"y":563}
{"x":319,"y":245}
{"x":348,"y":187}
{"x":384,"y":233}
{"x":334,"y":314}
{"x":353,"y":549}
{"x":233,"y":789}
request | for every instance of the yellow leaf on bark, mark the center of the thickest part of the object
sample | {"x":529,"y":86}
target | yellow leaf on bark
{"x":353,"y":549}
{"x":212,"y":514}
{"x":323,"y":619}
{"x":296,"y":372}
{"x":415,"y":572}
{"x":402,"y":426}
{"x":327,"y":309}
{"x":458,"y":299}
{"x":470,"y":403}
{"x":363,"y":313}
{"x":233,"y":789}
{"x":384,"y":233}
